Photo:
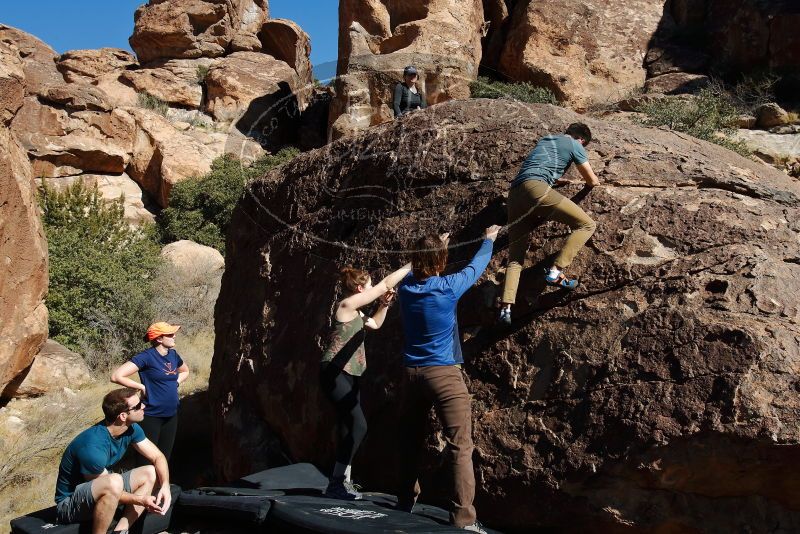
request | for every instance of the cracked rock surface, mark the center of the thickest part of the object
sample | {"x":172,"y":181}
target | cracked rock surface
{"x":662,"y":395}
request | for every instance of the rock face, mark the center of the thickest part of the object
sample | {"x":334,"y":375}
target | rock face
{"x":89,"y":65}
{"x":585,"y":52}
{"x":189,"y":29}
{"x":176,"y":81}
{"x":659,"y":396}
{"x":377,"y":39}
{"x":286,"y":41}
{"x":23,"y":255}
{"x":38,"y":60}
{"x":110,"y":187}
{"x":55,"y":367}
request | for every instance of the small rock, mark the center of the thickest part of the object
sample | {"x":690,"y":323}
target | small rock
{"x":785,"y":130}
{"x":676,"y":83}
{"x":745,"y":121}
{"x":771,"y":114}
{"x":15,"y":424}
{"x":182,"y":126}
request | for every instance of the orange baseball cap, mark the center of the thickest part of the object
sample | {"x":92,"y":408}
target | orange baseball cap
{"x":159,"y":329}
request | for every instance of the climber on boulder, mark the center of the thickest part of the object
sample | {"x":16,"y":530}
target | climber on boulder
{"x":531,"y":198}
{"x":345,"y":361}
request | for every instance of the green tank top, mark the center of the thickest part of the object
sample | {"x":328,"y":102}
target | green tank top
{"x":349,"y":337}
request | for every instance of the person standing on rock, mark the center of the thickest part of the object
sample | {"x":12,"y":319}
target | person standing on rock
{"x":161,"y":371}
{"x":531,"y":199}
{"x":407,"y":97}
{"x":345,"y":361}
{"x":433,"y":376}
{"x":85,"y":488}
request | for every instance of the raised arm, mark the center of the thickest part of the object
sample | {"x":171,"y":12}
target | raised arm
{"x":121,"y":374}
{"x":461,"y":281}
{"x":398,"y":95}
{"x":588,"y":174}
{"x":354,"y":302}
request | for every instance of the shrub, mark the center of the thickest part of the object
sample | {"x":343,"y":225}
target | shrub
{"x":100,"y":296}
{"x":201,"y":73}
{"x":485,"y":87}
{"x":148,"y":101}
{"x":200,"y":209}
{"x":706,"y":116}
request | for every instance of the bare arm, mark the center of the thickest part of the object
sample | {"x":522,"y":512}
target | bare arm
{"x":588,"y":174}
{"x":121,"y":374}
{"x":183,"y":373}
{"x":376,"y":321}
{"x":354,"y":302}
{"x":164,"y":496}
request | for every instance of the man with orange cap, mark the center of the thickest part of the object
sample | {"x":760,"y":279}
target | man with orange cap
{"x":161,"y":370}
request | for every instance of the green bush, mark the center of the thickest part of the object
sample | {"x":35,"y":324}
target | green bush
{"x":148,"y":101}
{"x":101,"y":272}
{"x":485,"y":87}
{"x":706,"y":116}
{"x":200,"y":209}
{"x":201,"y":72}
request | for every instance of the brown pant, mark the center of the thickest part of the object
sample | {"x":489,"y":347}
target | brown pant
{"x":529,"y":203}
{"x":442,"y":387}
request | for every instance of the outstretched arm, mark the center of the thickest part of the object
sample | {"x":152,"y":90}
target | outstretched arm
{"x":376,"y":321}
{"x":588,"y":174}
{"x":358,"y":300}
{"x":461,"y":281}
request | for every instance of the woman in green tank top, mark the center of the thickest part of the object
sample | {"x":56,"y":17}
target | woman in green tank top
{"x":345,"y":361}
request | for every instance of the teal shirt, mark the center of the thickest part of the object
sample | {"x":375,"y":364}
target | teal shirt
{"x":89,"y":453}
{"x":550,"y":159}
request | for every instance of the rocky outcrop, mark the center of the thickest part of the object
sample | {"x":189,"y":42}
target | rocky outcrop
{"x":176,"y":82}
{"x":257,"y":93}
{"x":163,"y":156}
{"x":585,"y":52}
{"x":89,"y":65}
{"x":112,"y":187}
{"x":189,"y":29}
{"x":23,"y":254}
{"x":38,"y":60}
{"x":630,"y":405}
{"x":377,"y":39}
{"x":55,"y":368}
{"x":286,"y":41}
{"x":12,"y":84}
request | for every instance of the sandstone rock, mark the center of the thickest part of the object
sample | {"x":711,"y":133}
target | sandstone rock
{"x":12,"y":83}
{"x":378,"y":39}
{"x":76,"y":97}
{"x":163,"y":156}
{"x":771,"y":114}
{"x":676,"y":83}
{"x":256,"y":92}
{"x":110,"y":187}
{"x":773,"y":148}
{"x":286,"y":41}
{"x":629,"y":405}
{"x":54,"y":368}
{"x":585,"y":52}
{"x":189,"y":29}
{"x":232,"y":142}
{"x":89,"y":65}
{"x":786,"y":129}
{"x":38,"y":59}
{"x":745,"y":121}
{"x":176,"y":81}
{"x":23,"y":254}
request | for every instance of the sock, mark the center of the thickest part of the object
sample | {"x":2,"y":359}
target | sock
{"x":341,"y":470}
{"x":554,"y":272}
{"x":347,"y":473}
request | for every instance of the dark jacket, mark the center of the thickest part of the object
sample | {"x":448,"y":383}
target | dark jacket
{"x":402,"y":96}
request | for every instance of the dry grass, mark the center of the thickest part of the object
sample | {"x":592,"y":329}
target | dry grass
{"x":29,"y":459}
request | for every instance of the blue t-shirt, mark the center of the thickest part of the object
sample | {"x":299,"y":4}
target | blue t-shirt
{"x":159,"y":374}
{"x":550,"y":159}
{"x":92,"y":451}
{"x":428,"y":309}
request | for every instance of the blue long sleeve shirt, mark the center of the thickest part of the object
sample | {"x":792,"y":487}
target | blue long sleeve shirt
{"x":428,"y":309}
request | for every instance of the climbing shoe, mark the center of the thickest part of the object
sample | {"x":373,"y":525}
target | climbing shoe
{"x":505,"y":316}
{"x":559,"y":280}
{"x":475,"y":527}
{"x":339,"y":488}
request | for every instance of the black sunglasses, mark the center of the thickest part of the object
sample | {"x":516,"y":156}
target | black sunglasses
{"x":135,"y":407}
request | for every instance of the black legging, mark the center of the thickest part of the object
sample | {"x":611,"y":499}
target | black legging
{"x":161,"y":431}
{"x":342,"y":390}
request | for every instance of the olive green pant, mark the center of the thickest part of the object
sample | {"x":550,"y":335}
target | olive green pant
{"x":529,"y":203}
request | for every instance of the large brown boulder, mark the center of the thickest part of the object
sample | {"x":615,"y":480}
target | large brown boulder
{"x":55,"y":368}
{"x":189,"y":29}
{"x":286,"y":41}
{"x":377,"y":39}
{"x":89,"y":65}
{"x":586,"y":52}
{"x":38,"y":59}
{"x":23,"y":255}
{"x":176,"y":81}
{"x":12,"y":84}
{"x":661,"y":396}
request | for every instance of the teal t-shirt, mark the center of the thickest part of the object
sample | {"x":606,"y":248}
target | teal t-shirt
{"x":89,"y":453}
{"x":550,"y":159}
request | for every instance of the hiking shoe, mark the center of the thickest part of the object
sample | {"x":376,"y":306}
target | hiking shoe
{"x":560,"y":281}
{"x":475,"y":527}
{"x":339,"y":488}
{"x":505,"y":316}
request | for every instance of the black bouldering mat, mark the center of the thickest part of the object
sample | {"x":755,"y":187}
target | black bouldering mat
{"x":311,"y":514}
{"x":44,"y":521}
{"x":225,"y":506}
{"x":287,"y":478}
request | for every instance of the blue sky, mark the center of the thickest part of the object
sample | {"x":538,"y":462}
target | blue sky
{"x":97,"y":23}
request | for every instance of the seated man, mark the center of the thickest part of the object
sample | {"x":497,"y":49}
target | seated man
{"x":86,"y":490}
